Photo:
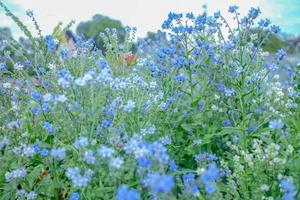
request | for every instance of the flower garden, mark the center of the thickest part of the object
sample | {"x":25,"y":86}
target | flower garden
{"x":198,"y":112}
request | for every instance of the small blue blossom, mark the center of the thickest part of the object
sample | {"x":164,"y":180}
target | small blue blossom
{"x":208,"y":157}
{"x":15,"y":174}
{"x":275,"y":29}
{"x":217,"y":14}
{"x":51,"y":45}
{"x":48,"y":127}
{"x":253,"y":13}
{"x":211,"y":174}
{"x":124,"y":193}
{"x":58,"y":153}
{"x":106,"y":152}
{"x":116,"y":162}
{"x":220,"y":87}
{"x":81,"y":142}
{"x":144,"y":162}
{"x":159,"y":182}
{"x":74,"y":196}
{"x":180,"y":78}
{"x":280,"y":54}
{"x":232,"y":9}
{"x":89,"y":157}
{"x":271,"y":66}
{"x":105,"y":123}
{"x":2,"y":67}
{"x":289,"y":189}
{"x":210,"y":188}
{"x":264,"y":22}
{"x":173,"y":166}
{"x":79,"y":180}
{"x":276,"y":124}
{"x":129,"y":106}
{"x":36,"y":95}
{"x":64,"y":53}
{"x":226,"y":122}
{"x":252,"y":128}
{"x":44,"y":152}
{"x":102,"y":63}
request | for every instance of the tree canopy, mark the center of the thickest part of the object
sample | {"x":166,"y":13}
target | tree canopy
{"x":98,"y":24}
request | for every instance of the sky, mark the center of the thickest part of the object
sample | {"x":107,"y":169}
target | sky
{"x":145,"y":15}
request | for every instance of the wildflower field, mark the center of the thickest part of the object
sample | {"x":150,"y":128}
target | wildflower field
{"x":193,"y":113}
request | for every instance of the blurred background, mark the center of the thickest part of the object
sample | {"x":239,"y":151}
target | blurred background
{"x":92,"y":16}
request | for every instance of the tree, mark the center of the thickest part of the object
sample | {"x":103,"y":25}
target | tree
{"x":98,"y":24}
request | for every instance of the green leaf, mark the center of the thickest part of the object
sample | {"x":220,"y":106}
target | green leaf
{"x":34,"y":174}
{"x":187,"y":127}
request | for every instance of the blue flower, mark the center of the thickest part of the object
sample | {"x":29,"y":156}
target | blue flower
{"x":79,"y":180}
{"x":226,"y":122}
{"x":44,"y":152}
{"x":217,"y":14}
{"x":172,"y":165}
{"x":2,"y":67}
{"x":180,"y":78}
{"x":252,"y":128}
{"x":280,"y":54}
{"x":124,"y":193}
{"x":48,"y":127}
{"x":74,"y":196}
{"x":271,"y":66}
{"x":36,"y":110}
{"x":46,"y":106}
{"x":89,"y":157}
{"x":36,"y":95}
{"x":81,"y":142}
{"x":51,"y":45}
{"x":264,"y":22}
{"x":190,"y":15}
{"x":229,"y":92}
{"x":210,"y":188}
{"x":159,"y":182}
{"x":289,"y":189}
{"x":211,"y":174}
{"x":220,"y":87}
{"x":208,"y":157}
{"x":105,"y":123}
{"x":102,"y":63}
{"x":253,"y":13}
{"x":64,"y":53}
{"x":232,"y":9}
{"x":195,"y":190}
{"x":144,"y":162}
{"x":275,"y":29}
{"x":188,"y":178}
{"x":58,"y":153}
{"x":276,"y":124}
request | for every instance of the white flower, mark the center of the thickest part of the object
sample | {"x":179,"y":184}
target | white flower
{"x":264,"y":187}
{"x":214,"y":107}
{"x":7,"y":85}
{"x":52,"y":66}
{"x":18,"y":66}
